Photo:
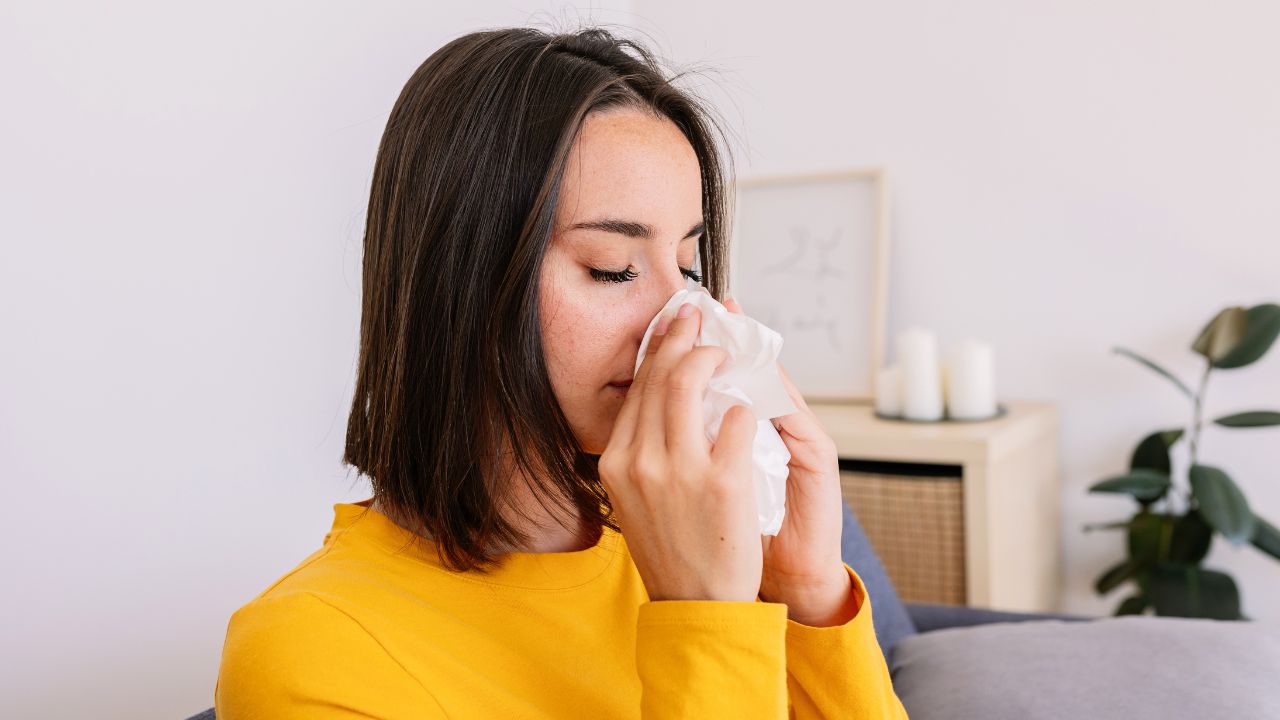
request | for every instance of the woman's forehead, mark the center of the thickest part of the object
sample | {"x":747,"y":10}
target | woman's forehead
{"x":630,"y":165}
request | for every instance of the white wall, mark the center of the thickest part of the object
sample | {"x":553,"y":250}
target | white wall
{"x":183,"y":195}
{"x":1068,"y":176}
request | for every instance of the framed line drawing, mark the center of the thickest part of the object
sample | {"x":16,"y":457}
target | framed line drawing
{"x":809,"y":258}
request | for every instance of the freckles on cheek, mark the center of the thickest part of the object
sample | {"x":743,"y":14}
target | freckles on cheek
{"x":587,"y":333}
{"x":589,"y":341}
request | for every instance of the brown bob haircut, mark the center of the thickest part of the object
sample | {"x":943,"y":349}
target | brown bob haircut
{"x":461,"y":212}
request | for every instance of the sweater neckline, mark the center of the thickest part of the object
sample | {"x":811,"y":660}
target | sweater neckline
{"x":527,"y":570}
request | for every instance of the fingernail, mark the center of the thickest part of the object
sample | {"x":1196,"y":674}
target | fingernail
{"x":663,"y":323}
{"x":685,"y":310}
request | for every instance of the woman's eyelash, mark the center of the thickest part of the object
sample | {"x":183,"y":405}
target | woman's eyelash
{"x":618,"y":276}
{"x":613,"y":275}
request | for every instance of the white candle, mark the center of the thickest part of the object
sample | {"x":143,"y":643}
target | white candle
{"x":889,"y":391}
{"x":971,"y":381}
{"x":921,"y":375}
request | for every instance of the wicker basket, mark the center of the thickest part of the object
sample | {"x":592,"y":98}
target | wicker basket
{"x":915,"y":522}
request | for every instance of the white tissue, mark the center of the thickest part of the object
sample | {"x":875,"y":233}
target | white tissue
{"x":749,"y":377}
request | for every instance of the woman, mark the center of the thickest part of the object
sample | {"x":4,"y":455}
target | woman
{"x":543,"y":540}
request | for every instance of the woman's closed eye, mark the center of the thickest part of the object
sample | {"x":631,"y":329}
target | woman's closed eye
{"x":629,"y":274}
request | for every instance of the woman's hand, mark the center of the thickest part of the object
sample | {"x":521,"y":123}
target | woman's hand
{"x":687,"y":509}
{"x":802,"y":566}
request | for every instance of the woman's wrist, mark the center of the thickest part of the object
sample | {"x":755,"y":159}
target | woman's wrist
{"x":826,"y":604}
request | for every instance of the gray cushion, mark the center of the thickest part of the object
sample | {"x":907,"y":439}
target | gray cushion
{"x":934,"y":616}
{"x":892,"y":622}
{"x":1113,"y":667}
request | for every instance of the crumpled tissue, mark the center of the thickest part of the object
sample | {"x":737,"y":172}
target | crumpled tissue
{"x":749,"y":377}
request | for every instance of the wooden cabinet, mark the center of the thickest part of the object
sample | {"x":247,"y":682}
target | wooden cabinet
{"x":959,"y":512}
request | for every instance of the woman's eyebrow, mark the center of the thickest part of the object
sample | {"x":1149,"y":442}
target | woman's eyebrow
{"x":631,"y":228}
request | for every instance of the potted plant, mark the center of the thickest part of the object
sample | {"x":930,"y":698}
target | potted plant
{"x":1166,"y":544}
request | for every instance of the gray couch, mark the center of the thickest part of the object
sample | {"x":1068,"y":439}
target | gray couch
{"x":894,"y":620}
{"x":958,"y":663}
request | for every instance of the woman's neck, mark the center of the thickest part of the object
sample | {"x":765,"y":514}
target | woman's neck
{"x":546,"y":534}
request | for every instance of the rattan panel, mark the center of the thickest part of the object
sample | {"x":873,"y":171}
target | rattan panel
{"x":916,"y":525}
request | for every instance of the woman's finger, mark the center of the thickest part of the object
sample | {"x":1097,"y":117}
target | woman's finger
{"x":794,"y":392}
{"x":802,"y":425}
{"x":737,"y":434}
{"x":625,"y":423}
{"x":686,"y":388}
{"x":678,"y":341}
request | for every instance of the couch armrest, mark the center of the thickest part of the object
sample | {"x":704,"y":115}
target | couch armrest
{"x":930,"y":616}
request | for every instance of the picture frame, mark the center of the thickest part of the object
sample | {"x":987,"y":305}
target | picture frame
{"x":809,"y":258}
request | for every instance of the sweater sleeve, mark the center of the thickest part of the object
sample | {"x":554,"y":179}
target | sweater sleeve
{"x":296,"y":656}
{"x":840,"y":671}
{"x":712,"y":658}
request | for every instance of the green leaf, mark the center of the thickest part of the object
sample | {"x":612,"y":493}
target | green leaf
{"x":1152,"y":365}
{"x":1153,"y":452}
{"x":1132,"y":605}
{"x":1254,"y":418}
{"x":1191,"y":538}
{"x":1115,"y":575}
{"x":1144,"y":537}
{"x":1262,"y":325}
{"x":1222,"y":503}
{"x":1266,"y":537}
{"x":1189,"y":591}
{"x":1222,"y":334}
{"x":1144,"y":485}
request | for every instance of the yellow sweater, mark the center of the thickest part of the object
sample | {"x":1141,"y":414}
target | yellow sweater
{"x":367,"y":627}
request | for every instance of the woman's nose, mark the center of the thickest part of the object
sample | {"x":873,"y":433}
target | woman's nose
{"x":673,"y":281}
{"x":668,"y":284}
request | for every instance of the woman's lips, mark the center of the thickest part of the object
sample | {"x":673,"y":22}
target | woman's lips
{"x":621,"y":387}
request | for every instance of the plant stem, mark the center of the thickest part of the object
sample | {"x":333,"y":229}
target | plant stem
{"x":1197,"y":421}
{"x":1166,"y":536}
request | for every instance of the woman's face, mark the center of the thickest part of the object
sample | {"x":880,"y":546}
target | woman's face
{"x":626,"y":230}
